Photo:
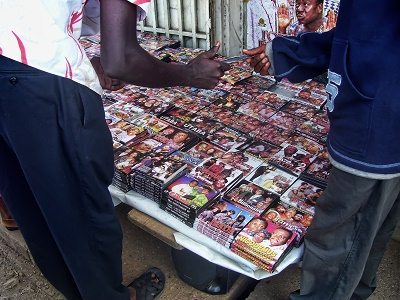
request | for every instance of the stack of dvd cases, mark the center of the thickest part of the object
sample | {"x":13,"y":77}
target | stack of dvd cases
{"x":186,"y":197}
{"x":264,"y":243}
{"x":150,"y":181}
{"x":222,"y":221}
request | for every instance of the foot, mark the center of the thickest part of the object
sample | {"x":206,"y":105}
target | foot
{"x":148,"y":285}
{"x":6,"y":218}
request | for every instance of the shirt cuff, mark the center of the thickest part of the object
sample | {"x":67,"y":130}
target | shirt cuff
{"x":270,"y":55}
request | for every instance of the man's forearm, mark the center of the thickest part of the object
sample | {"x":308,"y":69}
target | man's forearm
{"x":140,"y":68}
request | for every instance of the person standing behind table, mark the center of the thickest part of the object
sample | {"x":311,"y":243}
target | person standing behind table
{"x":309,"y":15}
{"x":357,"y":213}
{"x":51,"y":98}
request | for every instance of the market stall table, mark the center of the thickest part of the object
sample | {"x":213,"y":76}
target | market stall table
{"x":197,"y":242}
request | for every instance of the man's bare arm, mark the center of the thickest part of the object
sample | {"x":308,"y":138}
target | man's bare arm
{"x":123,"y":58}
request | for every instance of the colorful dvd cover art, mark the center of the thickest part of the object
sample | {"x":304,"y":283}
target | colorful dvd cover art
{"x":228,"y":138}
{"x":129,"y":94}
{"x":246,"y":124}
{"x":248,"y":91}
{"x":299,"y":109}
{"x":148,"y":145}
{"x":238,"y":61}
{"x":292,"y":159}
{"x":241,"y":161}
{"x":175,"y":137}
{"x":266,"y":241}
{"x":169,"y":94}
{"x":204,"y":150}
{"x":302,"y":195}
{"x":191,"y":104}
{"x":307,"y":97}
{"x":155,"y":106}
{"x":290,"y":218}
{"x":236,"y":74}
{"x":187,"y":158}
{"x":273,"y":134}
{"x":272,"y":99}
{"x":321,"y":117}
{"x":223,"y":85}
{"x":210,"y":95}
{"x":111,"y":120}
{"x":183,"y":55}
{"x":319,"y":170}
{"x":190,"y":191}
{"x":108,"y":101}
{"x":126,"y":159}
{"x":305,"y":143}
{"x":124,"y":132}
{"x":216,"y":173}
{"x":250,"y":196}
{"x":230,"y":101}
{"x":220,"y":114}
{"x":167,"y":169}
{"x":148,"y":161}
{"x":314,"y":130}
{"x":125,"y":111}
{"x":116,"y":145}
{"x":272,"y":178}
{"x":285,"y":90}
{"x":284,"y":120}
{"x":257,"y":110}
{"x":153,"y":124}
{"x":262,"y":150}
{"x":177,"y":116}
{"x":202,"y":126}
{"x":262,"y":82}
{"x":316,"y":87}
{"x":222,"y":221}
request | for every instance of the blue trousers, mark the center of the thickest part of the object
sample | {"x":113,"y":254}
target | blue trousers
{"x":354,"y":220}
{"x":56,"y":163}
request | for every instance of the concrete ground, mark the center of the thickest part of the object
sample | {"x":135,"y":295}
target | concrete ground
{"x":142,"y":250}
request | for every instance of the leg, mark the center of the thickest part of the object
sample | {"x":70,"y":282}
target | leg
{"x":61,"y":142}
{"x":337,"y":245}
{"x":38,"y":237}
{"x":367,"y":283}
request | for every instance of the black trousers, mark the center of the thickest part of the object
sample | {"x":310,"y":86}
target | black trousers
{"x":56,"y":163}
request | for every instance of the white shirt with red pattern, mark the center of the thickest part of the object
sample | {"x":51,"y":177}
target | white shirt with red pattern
{"x":44,"y":34}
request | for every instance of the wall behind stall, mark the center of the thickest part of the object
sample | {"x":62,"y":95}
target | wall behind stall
{"x":186,"y":20}
{"x":199,"y":23}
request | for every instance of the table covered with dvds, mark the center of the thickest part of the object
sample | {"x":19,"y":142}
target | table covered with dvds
{"x":196,"y":242}
{"x":236,"y":171}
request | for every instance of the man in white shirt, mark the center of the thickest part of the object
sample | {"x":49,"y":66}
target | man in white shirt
{"x":56,"y":152}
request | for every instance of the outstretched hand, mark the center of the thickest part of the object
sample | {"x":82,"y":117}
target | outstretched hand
{"x":106,"y":82}
{"x":283,"y":18}
{"x":206,"y":71}
{"x":258,"y":60}
{"x":331,"y":20}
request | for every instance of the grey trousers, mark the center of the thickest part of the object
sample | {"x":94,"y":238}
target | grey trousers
{"x":353,"y":223}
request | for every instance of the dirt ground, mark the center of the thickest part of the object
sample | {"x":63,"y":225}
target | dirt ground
{"x":20,"y":280}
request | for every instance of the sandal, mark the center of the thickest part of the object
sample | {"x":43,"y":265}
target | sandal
{"x":149,"y":285}
{"x":6,"y":218}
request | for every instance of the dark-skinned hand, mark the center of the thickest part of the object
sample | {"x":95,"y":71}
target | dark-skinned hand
{"x":258,"y":60}
{"x":206,"y":71}
{"x":106,"y":82}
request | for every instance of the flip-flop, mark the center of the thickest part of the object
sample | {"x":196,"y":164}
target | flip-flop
{"x":149,"y":285}
{"x":10,"y":224}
